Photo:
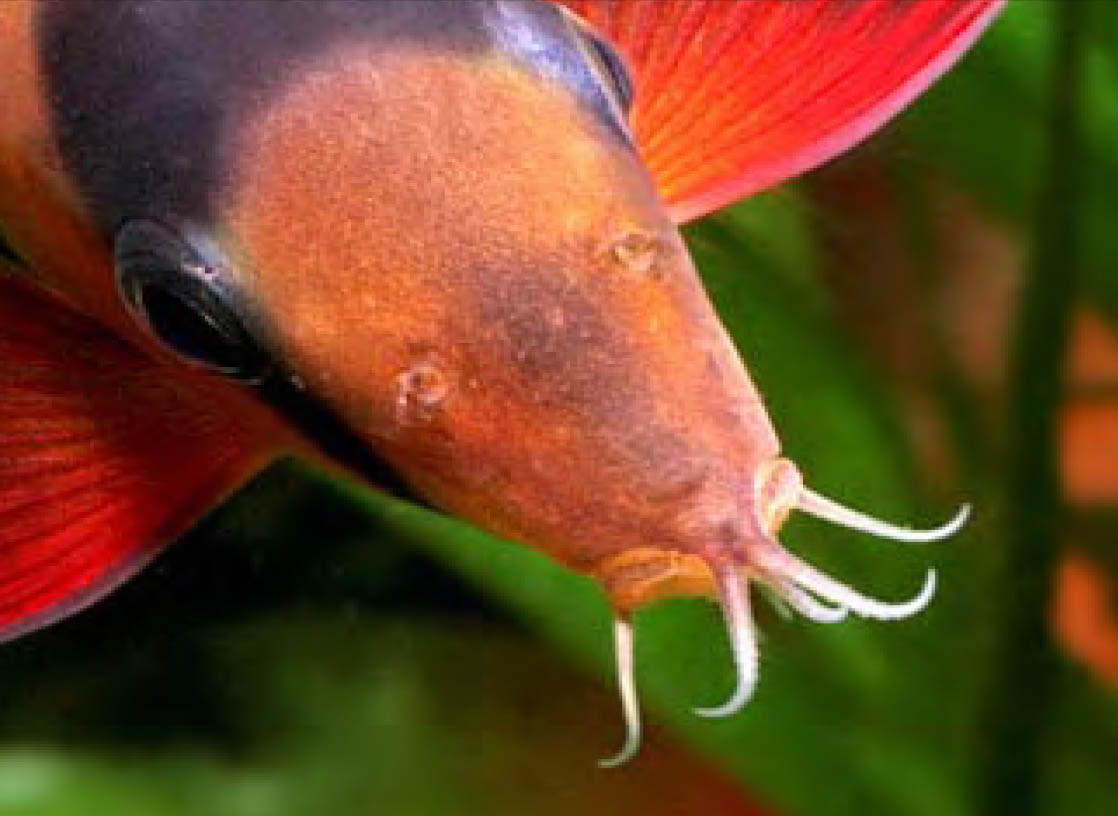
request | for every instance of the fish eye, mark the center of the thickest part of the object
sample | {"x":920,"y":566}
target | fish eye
{"x":184,"y":303}
{"x":613,"y":67}
{"x":8,"y":253}
{"x":606,"y":60}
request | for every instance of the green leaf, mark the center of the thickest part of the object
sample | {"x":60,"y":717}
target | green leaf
{"x":984,"y":124}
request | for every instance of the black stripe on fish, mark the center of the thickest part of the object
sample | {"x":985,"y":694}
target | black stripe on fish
{"x":146,"y":95}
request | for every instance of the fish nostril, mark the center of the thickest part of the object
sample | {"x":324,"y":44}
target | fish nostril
{"x":777,"y":489}
{"x":637,"y":252}
{"x":421,"y":391}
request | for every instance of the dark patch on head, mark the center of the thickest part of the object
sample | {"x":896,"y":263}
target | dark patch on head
{"x":145,"y":93}
{"x":569,"y":355}
{"x":562,"y":344}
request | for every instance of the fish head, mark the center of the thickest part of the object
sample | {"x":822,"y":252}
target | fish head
{"x":467,"y":260}
{"x":431,"y":220}
{"x":430,"y":223}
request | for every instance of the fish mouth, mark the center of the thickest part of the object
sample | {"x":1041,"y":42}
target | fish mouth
{"x":795,"y":586}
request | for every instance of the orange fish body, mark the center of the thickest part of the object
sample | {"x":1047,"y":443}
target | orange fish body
{"x":433,"y":243}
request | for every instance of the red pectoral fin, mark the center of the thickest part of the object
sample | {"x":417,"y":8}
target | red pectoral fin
{"x":105,"y":456}
{"x":734,"y":97}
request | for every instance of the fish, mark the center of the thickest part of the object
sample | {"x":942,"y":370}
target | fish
{"x":433,"y":246}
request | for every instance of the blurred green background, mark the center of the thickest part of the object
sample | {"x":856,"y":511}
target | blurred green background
{"x":932,"y":319}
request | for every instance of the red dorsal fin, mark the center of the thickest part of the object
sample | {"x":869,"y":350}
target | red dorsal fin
{"x":734,"y":97}
{"x":105,"y":456}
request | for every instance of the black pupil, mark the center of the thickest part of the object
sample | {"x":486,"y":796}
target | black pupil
{"x":7,"y":254}
{"x":185,"y":329}
{"x":616,"y":69}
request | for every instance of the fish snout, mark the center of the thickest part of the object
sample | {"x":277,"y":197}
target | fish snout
{"x":723,"y":526}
